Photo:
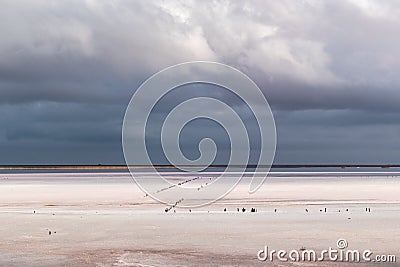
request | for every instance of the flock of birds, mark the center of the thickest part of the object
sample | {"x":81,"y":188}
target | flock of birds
{"x":253,"y":210}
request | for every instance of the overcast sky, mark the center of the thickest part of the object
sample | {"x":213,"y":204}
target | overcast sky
{"x":329,"y":69}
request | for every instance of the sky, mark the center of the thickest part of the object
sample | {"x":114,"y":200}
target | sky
{"x":330,"y":71}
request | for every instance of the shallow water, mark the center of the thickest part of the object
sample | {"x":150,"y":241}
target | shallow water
{"x":104,"y":219}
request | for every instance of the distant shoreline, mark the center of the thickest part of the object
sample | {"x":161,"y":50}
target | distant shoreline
{"x":124,"y":167}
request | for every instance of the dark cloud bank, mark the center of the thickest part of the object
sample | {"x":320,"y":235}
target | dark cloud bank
{"x":330,"y":71}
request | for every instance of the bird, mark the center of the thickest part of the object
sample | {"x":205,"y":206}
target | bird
{"x":306,"y":210}
{"x":225,"y":209}
{"x":243,"y":209}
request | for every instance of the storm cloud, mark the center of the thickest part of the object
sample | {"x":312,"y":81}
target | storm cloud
{"x":329,"y":69}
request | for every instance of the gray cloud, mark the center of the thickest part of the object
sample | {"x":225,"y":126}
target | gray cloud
{"x":329,"y":69}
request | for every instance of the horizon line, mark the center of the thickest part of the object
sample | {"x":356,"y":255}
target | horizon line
{"x":161,"y":166}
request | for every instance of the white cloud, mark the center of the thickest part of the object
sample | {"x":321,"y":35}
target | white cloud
{"x":378,"y":9}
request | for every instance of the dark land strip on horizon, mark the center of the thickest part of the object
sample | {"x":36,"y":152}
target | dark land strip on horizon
{"x":250,"y":166}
